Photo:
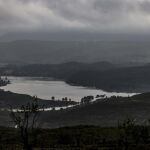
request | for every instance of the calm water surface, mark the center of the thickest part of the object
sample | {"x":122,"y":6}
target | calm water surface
{"x":45,"y":88}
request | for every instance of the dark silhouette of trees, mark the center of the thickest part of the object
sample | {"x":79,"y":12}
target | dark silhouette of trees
{"x":4,"y":82}
{"x":87,"y":99}
{"x":66,"y":99}
{"x":53,"y":98}
{"x":26,"y":120}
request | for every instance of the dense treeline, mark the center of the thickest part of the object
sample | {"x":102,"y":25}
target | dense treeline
{"x":4,"y":82}
{"x":127,"y":136}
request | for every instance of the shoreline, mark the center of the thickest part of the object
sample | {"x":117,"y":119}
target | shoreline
{"x":48,"y":88}
{"x":112,"y":90}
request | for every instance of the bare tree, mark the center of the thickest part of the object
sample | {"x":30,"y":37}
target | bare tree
{"x":26,"y":120}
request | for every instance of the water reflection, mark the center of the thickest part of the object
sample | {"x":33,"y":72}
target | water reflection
{"x":45,"y":88}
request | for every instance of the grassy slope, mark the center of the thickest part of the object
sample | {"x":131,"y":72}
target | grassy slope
{"x":105,"y":113}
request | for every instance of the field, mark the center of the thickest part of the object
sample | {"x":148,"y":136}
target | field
{"x":126,"y":136}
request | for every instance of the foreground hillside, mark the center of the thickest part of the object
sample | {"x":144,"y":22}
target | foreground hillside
{"x":127,"y":136}
{"x":103,"y":112}
{"x":106,"y":112}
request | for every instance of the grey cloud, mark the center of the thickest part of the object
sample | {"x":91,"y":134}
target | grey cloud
{"x":145,"y":6}
{"x":81,"y":15}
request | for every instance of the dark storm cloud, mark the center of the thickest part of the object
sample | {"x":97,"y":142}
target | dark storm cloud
{"x":75,"y":15}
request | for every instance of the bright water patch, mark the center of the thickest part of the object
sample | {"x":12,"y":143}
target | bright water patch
{"x":45,"y":88}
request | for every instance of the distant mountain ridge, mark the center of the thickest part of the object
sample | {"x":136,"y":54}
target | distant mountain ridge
{"x":60,"y":71}
{"x":121,"y":79}
{"x":48,"y":52}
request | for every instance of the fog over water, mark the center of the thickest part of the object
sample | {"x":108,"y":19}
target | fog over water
{"x":45,"y":88}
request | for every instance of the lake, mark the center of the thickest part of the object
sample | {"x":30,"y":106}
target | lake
{"x":45,"y":88}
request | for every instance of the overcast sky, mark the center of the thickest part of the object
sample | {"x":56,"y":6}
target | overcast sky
{"x":95,"y":16}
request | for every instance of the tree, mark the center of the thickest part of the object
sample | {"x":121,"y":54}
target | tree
{"x":53,"y":98}
{"x":26,"y":120}
{"x":66,"y":99}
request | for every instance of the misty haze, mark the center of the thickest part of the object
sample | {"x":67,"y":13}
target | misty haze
{"x":74,"y":74}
